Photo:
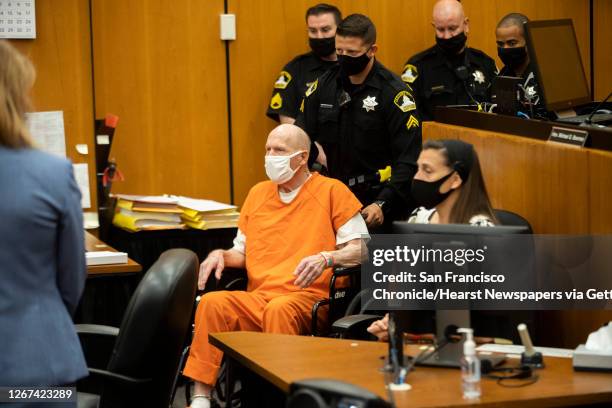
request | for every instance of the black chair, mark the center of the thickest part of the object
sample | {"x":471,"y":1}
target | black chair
{"x":137,"y":364}
{"x":510,"y":218}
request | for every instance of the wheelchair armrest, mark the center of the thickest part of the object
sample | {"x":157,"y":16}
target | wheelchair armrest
{"x":232,"y":279}
{"x":97,"y":342}
{"x":347,"y":270}
{"x":354,"y":326}
{"x":98,"y":380}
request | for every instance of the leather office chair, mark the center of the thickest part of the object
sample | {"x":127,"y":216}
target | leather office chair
{"x":137,"y":364}
{"x":510,"y":218}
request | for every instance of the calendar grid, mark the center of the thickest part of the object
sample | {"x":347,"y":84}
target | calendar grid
{"x":18,"y":19}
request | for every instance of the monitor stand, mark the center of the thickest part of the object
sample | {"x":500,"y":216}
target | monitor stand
{"x":564,"y":114}
{"x":450,"y":355}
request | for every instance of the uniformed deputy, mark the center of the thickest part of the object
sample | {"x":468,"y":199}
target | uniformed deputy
{"x":322,"y":21}
{"x":512,"y":50}
{"x":449,"y":73}
{"x":366,"y":119}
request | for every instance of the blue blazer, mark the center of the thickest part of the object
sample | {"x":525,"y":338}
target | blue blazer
{"x":42,"y":269}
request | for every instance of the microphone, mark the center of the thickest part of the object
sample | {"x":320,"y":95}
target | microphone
{"x":529,"y":357}
{"x":588,"y":120}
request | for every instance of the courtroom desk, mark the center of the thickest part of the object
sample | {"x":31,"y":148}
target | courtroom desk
{"x":283,"y":359}
{"x":146,"y":246}
{"x":92,"y":243}
{"x":108,"y":288}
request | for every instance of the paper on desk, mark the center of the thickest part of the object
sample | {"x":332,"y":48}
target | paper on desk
{"x":47,"y":130}
{"x":105,"y":258}
{"x":600,"y":340}
{"x":90,"y":220}
{"x":148,"y":199}
{"x":516,"y":349}
{"x":81,"y":174}
{"x":203,"y":205}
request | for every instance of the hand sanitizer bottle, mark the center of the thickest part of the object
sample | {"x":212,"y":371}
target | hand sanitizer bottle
{"x":470,"y":367}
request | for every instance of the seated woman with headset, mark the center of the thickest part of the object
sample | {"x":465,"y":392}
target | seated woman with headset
{"x":449,"y":189}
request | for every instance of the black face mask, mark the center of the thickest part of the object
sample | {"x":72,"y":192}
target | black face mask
{"x":453,"y":45}
{"x":512,"y":57}
{"x":322,"y":47}
{"x":427,"y":193}
{"x":353,"y":65}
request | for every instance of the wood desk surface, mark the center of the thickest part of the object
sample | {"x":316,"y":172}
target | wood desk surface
{"x":283,"y":359}
{"x":92,"y":243}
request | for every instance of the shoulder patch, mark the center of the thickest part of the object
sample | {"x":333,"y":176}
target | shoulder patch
{"x":283,"y":80}
{"x":412,"y":122}
{"x":409,"y":74}
{"x":405,"y":101}
{"x":312,"y":87}
{"x":277,"y":101}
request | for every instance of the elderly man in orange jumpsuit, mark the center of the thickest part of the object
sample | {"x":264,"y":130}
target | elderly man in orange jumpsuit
{"x":292,"y":230}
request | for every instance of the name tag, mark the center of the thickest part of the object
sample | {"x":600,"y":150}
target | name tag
{"x":573,"y":137}
{"x":326,"y":106}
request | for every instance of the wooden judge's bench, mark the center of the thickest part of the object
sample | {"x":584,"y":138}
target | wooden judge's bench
{"x":560,"y":189}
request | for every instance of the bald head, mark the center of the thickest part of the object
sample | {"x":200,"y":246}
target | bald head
{"x":445,"y":9}
{"x":291,"y":136}
{"x":449,"y":18}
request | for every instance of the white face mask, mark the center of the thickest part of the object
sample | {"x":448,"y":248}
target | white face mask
{"x":278,"y":168}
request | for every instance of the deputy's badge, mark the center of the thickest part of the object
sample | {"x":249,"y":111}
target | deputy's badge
{"x":312,"y":87}
{"x":530,"y":91}
{"x":404,"y":101}
{"x":277,"y":101}
{"x":479,"y":77}
{"x":412,"y":122}
{"x":283,"y":80}
{"x":410,"y":73}
{"x":369,"y":103}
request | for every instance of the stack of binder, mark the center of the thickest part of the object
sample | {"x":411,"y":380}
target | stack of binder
{"x":207,"y":214}
{"x":144,"y":213}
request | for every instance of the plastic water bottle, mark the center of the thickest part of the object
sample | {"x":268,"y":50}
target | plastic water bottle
{"x":470,"y":367}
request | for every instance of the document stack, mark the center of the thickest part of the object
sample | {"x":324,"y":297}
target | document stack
{"x":207,"y":214}
{"x":145,"y":213}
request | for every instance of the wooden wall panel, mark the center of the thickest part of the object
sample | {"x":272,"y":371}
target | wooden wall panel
{"x":602,"y":53}
{"x":270,"y":33}
{"x":600,"y":191}
{"x":543,"y":182}
{"x":61,"y":54}
{"x":160,"y":67}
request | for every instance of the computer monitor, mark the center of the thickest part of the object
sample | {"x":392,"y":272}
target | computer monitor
{"x":450,"y":354}
{"x":402,"y":227}
{"x":553,"y":51}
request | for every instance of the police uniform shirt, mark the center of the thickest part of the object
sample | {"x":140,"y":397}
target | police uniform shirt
{"x":373,"y":125}
{"x":435,"y":78}
{"x":529,"y":90}
{"x":292,"y":82}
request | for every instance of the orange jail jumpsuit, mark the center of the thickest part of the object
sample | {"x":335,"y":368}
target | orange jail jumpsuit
{"x":278,"y":237}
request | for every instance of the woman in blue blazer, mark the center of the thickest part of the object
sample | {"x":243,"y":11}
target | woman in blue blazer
{"x":42,"y":256}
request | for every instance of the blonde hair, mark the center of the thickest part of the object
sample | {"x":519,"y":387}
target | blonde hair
{"x":16,"y":79}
